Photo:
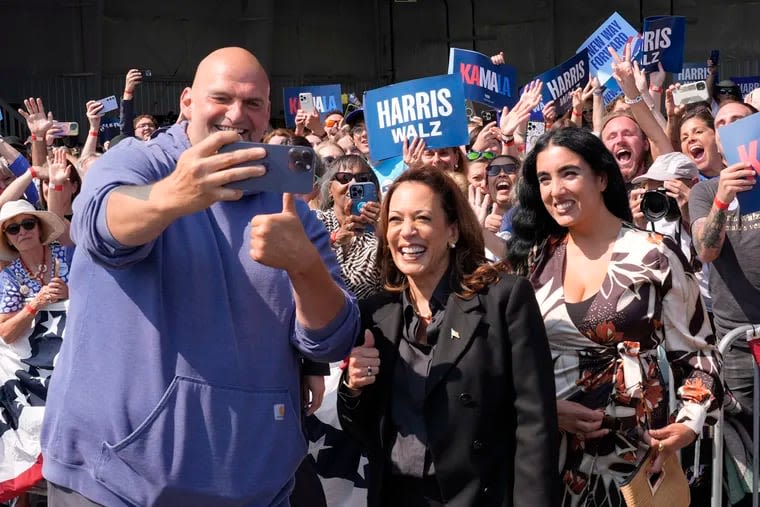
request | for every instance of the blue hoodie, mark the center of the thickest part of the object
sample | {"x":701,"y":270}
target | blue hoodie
{"x":177,"y":383}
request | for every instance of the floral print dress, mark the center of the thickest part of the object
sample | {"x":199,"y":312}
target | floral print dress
{"x":608,"y":362}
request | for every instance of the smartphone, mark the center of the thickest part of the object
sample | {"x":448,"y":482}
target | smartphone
{"x":146,"y":73}
{"x":109,"y":104}
{"x":306,"y":100}
{"x":715,"y":56}
{"x":360,"y":194}
{"x":535,"y":130}
{"x":67,"y":128}
{"x":691,"y":93}
{"x":289,"y":168}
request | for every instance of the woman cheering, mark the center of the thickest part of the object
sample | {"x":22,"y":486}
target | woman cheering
{"x":451,"y":392}
{"x":610,"y":294}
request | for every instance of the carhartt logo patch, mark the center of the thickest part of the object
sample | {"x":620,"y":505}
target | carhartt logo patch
{"x":279,"y":412}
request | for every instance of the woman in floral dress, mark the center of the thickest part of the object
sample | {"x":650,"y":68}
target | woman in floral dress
{"x":610,"y":294}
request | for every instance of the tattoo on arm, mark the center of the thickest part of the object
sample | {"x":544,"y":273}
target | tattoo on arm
{"x":712,"y":231}
{"x":138,"y":192}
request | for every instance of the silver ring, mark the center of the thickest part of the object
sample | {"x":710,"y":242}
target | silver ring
{"x":369,"y":371}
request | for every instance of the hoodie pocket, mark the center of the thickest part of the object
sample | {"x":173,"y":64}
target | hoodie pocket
{"x":207,"y":445}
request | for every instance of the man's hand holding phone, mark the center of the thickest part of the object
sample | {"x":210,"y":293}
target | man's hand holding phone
{"x":201,"y":173}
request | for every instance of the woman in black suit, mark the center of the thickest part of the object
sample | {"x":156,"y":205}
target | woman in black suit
{"x":452,"y":392}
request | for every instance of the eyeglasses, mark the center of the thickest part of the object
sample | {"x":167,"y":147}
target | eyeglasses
{"x":27,"y":223}
{"x":495,"y":169}
{"x":472,"y":156}
{"x":145,"y":126}
{"x":331,"y":123}
{"x":345,"y":177}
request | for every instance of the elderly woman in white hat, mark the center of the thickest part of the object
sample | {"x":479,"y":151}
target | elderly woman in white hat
{"x":37,"y":275}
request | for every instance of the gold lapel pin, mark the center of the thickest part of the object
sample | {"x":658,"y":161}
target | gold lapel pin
{"x":454,"y":334}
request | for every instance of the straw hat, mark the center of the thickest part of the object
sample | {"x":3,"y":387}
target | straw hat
{"x":52,"y":225}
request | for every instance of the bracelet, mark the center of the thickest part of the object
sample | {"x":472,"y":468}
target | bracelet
{"x":58,"y":188}
{"x":723,"y":206}
{"x":333,"y":237}
{"x":635,"y":100}
{"x":507,"y":138}
{"x":93,"y":133}
{"x":128,"y":94}
{"x":352,"y":391}
{"x":34,"y":137}
{"x":656,"y":89}
{"x":598,"y":91}
{"x":33,"y":172}
{"x":30,"y":309}
{"x":509,"y":143}
{"x":576,"y":113}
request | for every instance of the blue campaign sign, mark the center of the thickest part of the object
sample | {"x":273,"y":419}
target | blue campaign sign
{"x":664,"y":38}
{"x":611,"y":92}
{"x":484,"y":82}
{"x":614,"y":32}
{"x":326,"y":98}
{"x":692,"y":72}
{"x":740,"y":144}
{"x":432,"y":108}
{"x":560,"y":82}
{"x":747,"y":84}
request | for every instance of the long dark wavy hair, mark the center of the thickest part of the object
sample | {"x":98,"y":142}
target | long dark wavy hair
{"x":468,"y":261}
{"x":532,"y":225}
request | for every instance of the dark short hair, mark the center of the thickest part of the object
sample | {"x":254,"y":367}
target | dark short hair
{"x":532,"y":224}
{"x":142,"y":116}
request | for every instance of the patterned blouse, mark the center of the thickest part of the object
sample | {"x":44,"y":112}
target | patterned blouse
{"x":648,"y":298}
{"x":18,"y":287}
{"x":358,"y":262}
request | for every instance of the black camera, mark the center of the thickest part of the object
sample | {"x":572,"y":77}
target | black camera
{"x":657,"y":204}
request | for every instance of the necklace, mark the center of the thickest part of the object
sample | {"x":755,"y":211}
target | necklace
{"x":426,"y":318}
{"x":38,"y":275}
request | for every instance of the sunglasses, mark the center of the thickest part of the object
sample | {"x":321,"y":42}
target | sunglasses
{"x":331,"y":123}
{"x":27,"y":223}
{"x":472,"y":156}
{"x":495,"y":169}
{"x":345,"y":177}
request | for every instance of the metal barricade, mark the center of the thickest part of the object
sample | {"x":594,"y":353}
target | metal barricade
{"x":717,"y":474}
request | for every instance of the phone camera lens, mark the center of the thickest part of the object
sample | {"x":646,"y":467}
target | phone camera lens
{"x":700,"y":86}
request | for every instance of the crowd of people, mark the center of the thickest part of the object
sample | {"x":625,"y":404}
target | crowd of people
{"x":503,"y":324}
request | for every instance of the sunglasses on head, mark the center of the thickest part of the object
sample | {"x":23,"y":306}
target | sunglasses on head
{"x":472,"y":156}
{"x":345,"y":177}
{"x":495,"y":169}
{"x":27,"y":223}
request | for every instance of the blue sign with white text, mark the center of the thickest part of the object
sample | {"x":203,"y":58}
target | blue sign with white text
{"x":747,"y":84}
{"x":692,"y":72}
{"x":614,"y":32}
{"x":432,"y":108}
{"x":664,"y":38}
{"x":611,"y":92}
{"x":740,"y":144}
{"x":326,"y":98}
{"x":560,"y":82}
{"x":484,"y":82}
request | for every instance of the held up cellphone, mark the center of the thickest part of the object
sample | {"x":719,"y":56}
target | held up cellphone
{"x":109,"y":104}
{"x":68,"y":128}
{"x":360,"y":194}
{"x":690,"y":93}
{"x":288,"y":168}
{"x":715,"y":56}
{"x":146,"y":73}
{"x":306,"y":100}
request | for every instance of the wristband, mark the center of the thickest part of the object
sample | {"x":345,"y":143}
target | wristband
{"x":93,"y":133}
{"x":655,"y":89}
{"x":634,"y":100}
{"x":32,"y":172}
{"x":509,"y":143}
{"x":548,"y":124}
{"x":34,"y":138}
{"x":128,"y":94}
{"x":507,"y":138}
{"x":58,"y":188}
{"x":30,"y":309}
{"x":723,"y":206}
{"x":333,"y":237}
{"x":576,"y":113}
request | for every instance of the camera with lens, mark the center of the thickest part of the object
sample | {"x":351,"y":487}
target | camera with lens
{"x":657,"y":204}
{"x":701,"y":85}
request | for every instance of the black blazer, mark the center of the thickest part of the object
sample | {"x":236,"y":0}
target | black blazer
{"x":490,"y":409}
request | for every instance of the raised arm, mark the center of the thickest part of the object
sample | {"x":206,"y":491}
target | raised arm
{"x":93,"y":116}
{"x":39,"y":124}
{"x":127,"y":107}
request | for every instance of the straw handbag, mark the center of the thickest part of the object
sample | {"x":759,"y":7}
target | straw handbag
{"x":668,"y":489}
